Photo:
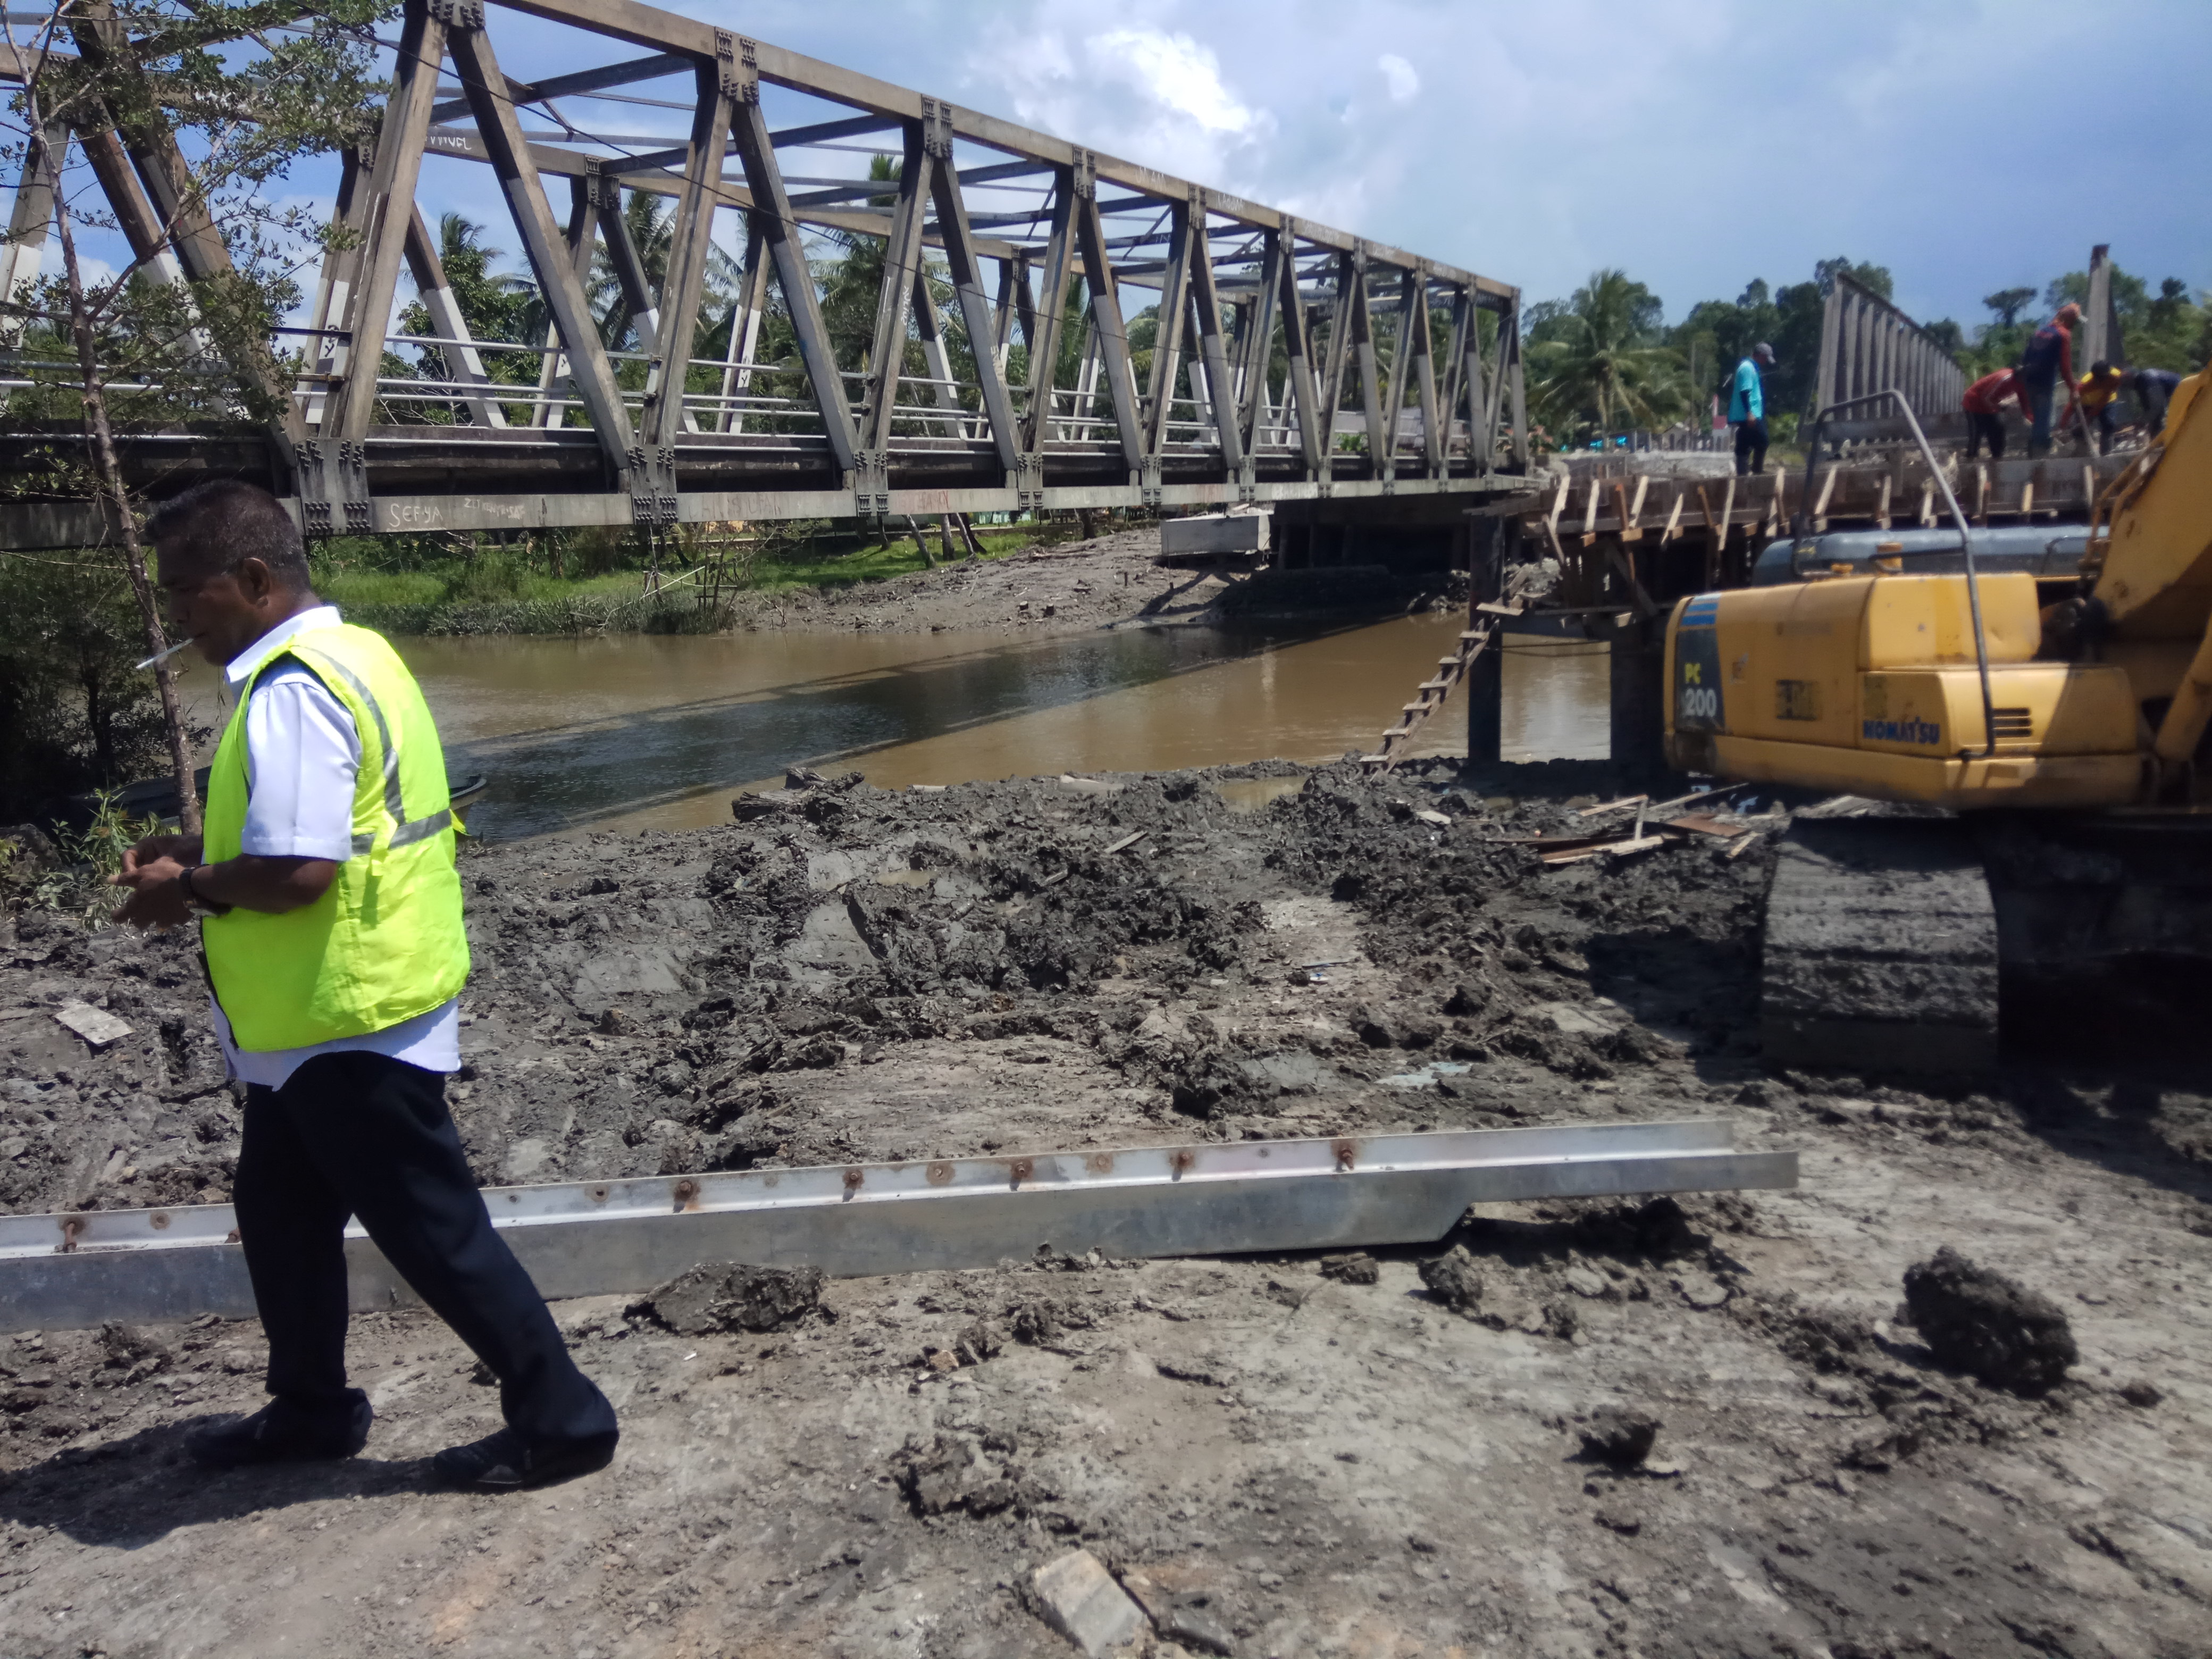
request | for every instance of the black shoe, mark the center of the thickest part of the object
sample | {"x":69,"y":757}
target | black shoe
{"x":505,"y":1462}
{"x":282,"y":1432}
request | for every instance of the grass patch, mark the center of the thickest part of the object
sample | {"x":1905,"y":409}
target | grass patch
{"x":444,"y":585}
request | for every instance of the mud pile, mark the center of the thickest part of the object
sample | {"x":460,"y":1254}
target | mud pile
{"x":844,"y":972}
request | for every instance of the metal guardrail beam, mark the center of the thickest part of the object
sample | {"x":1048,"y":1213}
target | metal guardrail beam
{"x":84,"y":1268}
{"x":1213,"y":430}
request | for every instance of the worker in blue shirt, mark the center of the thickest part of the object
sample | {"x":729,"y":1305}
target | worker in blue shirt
{"x":1747,"y":409}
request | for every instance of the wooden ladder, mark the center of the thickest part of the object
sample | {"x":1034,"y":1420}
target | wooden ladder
{"x":1431,"y":695}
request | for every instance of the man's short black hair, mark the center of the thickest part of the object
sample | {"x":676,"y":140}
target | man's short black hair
{"x":229,"y":521}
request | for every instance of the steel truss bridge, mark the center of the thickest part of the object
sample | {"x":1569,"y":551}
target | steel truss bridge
{"x":1002,"y":217}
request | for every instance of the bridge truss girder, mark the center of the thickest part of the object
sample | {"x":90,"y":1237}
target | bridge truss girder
{"x":610,"y":438}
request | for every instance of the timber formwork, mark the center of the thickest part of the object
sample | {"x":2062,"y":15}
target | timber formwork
{"x":1629,"y":544}
{"x":1268,"y":324}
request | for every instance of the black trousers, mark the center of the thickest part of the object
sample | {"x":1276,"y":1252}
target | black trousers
{"x":1751,"y":445}
{"x":363,"y":1135}
{"x":1980,"y":426}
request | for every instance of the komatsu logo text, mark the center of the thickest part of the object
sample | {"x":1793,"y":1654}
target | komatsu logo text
{"x":1900,"y":731}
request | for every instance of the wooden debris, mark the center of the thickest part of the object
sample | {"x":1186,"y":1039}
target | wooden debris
{"x":1612,"y":805}
{"x":1624,"y":847}
{"x":1704,"y":823}
{"x":1744,"y":844}
{"x":1437,"y":818}
{"x":1127,"y":842}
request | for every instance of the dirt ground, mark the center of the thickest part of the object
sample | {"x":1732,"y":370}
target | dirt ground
{"x":1108,"y":581}
{"x":1301,"y":1456}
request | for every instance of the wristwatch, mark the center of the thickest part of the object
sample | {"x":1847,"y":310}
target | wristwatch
{"x":193,"y":902}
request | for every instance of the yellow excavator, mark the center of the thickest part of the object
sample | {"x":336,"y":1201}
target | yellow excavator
{"x":2034,"y":705}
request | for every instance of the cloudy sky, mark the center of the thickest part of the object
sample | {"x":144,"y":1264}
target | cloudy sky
{"x":1969,"y":145}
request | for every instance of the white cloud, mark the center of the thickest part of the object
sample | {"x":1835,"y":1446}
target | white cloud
{"x":1404,"y":83}
{"x":1147,"y":94}
{"x":1180,"y":76}
{"x":1575,"y":133}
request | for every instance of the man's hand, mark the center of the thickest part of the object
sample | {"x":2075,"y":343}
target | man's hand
{"x":157,"y":894}
{"x":184,"y":850}
{"x":272,"y":885}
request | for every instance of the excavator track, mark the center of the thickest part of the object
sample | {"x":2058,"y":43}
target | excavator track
{"x":2105,"y":928}
{"x":1913,"y":945}
{"x":1881,"y":949}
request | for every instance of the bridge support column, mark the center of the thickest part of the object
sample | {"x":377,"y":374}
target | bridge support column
{"x":1639,"y":687}
{"x":1485,"y":675}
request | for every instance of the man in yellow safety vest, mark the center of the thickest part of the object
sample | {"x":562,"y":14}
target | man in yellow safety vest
{"x":331,"y":919}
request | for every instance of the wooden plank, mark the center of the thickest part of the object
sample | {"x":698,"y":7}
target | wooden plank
{"x":1612,"y":805}
{"x":1558,"y":500}
{"x":1704,"y":824}
{"x":1820,"y":507}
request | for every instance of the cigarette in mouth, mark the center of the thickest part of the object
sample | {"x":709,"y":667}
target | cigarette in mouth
{"x":163,"y":656}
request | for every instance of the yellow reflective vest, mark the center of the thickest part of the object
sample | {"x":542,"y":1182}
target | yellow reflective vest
{"x":385,"y":942}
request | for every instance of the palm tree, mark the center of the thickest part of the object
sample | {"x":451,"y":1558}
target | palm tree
{"x":651,"y":221}
{"x":495,"y":304}
{"x":1600,"y":360}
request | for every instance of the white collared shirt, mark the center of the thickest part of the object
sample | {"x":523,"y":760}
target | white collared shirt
{"x":302,"y":759}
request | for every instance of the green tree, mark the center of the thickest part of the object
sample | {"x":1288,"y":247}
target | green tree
{"x":74,"y":712}
{"x":2008,"y":303}
{"x":1598,"y":362}
{"x":1875,"y":279}
{"x":217,"y":99}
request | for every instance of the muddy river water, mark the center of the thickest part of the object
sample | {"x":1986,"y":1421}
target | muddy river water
{"x":637,"y":731}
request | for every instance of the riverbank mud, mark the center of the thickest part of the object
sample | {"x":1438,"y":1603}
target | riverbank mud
{"x":1297,"y":1454}
{"x":1107,"y":582}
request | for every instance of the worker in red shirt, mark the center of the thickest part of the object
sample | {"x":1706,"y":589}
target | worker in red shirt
{"x":2046,"y":364}
{"x":1982,"y":402}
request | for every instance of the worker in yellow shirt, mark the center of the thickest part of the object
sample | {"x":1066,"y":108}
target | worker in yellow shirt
{"x":2099,"y":392}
